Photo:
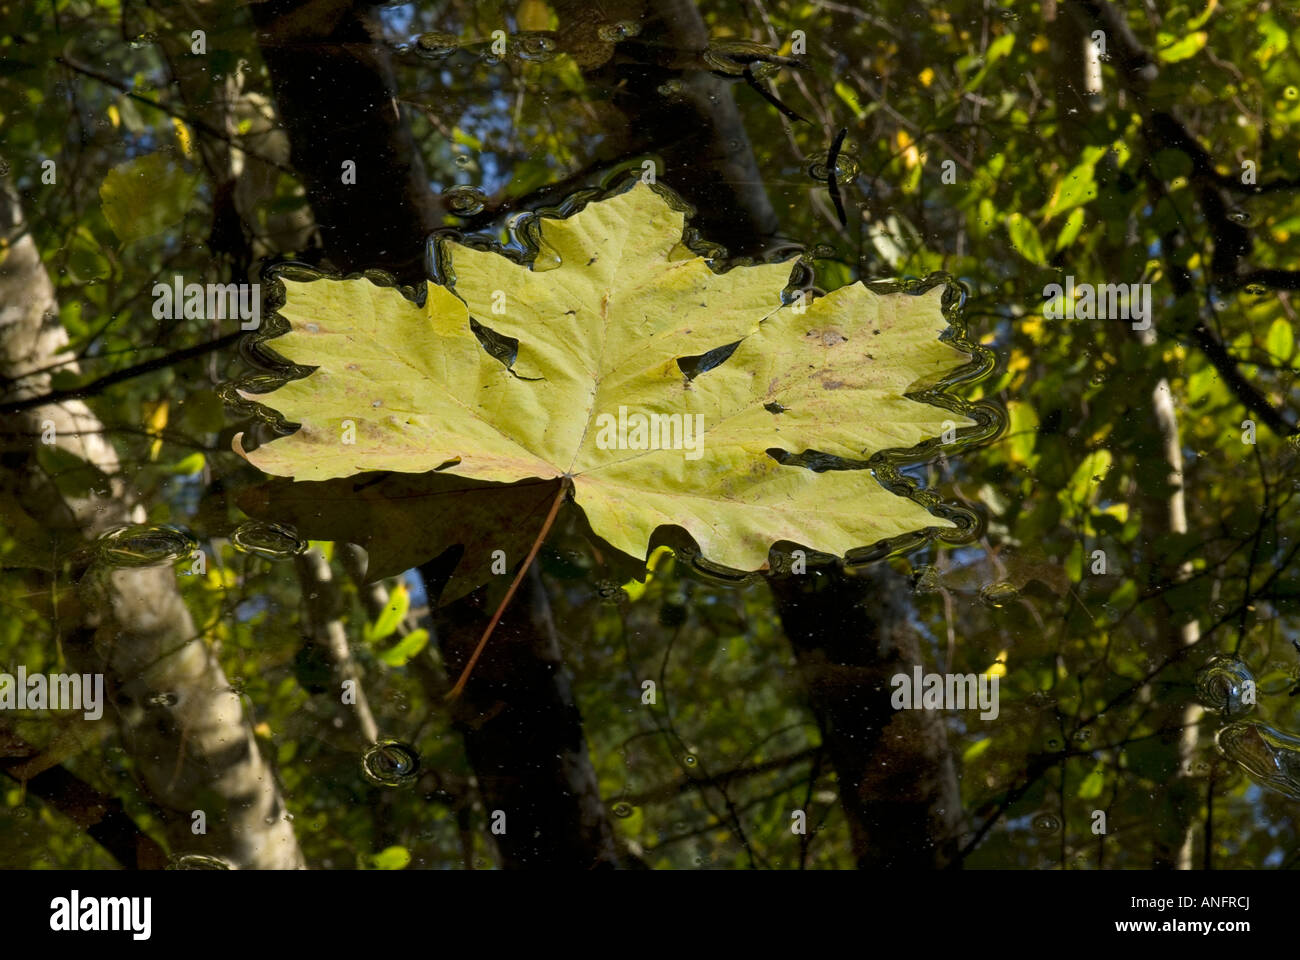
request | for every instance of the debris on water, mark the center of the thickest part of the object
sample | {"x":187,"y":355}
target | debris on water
{"x":617,"y":32}
{"x":1269,"y":757}
{"x":437,"y":46}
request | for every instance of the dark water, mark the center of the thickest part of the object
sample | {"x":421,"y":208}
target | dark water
{"x":1088,"y":662}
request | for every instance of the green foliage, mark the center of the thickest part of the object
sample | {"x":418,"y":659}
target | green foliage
{"x":1042,"y":185}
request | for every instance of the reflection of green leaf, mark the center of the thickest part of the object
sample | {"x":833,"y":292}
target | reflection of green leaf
{"x":1025,"y":239}
{"x":188,"y":465}
{"x":1281,"y":339}
{"x":1092,"y":784}
{"x":1274,"y":37}
{"x":85,"y":259}
{"x":1070,"y":232}
{"x":850,"y":97}
{"x":399,"y":602}
{"x":1077,"y":187}
{"x":1171,"y":50}
{"x":998,"y":49}
{"x":145,"y":196}
{"x":391,"y":858}
{"x":1089,"y":474}
{"x":1022,"y":431}
{"x":411,"y":644}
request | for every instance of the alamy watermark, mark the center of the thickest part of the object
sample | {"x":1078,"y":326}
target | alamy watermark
{"x":75,"y":913}
{"x":654,"y":431}
{"x":54,"y":691}
{"x":208,"y":301}
{"x":946,"y":691}
{"x":1106,"y":301}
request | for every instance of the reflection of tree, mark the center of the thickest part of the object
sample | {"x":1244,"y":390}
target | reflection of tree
{"x":197,"y":752}
{"x":1095,"y":700}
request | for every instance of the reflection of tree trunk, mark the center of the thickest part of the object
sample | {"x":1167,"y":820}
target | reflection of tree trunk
{"x":325,"y":631}
{"x":197,"y":753}
{"x":698,"y":133}
{"x":897,"y":782}
{"x":523,"y":734}
{"x":244,"y":168}
{"x":1173,"y":839}
{"x":335,"y":93}
{"x":899,"y":789}
{"x":334,"y":86}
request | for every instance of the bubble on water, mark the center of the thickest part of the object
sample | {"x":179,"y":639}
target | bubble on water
{"x":616,"y":32}
{"x":464,"y":201}
{"x":273,"y":541}
{"x":197,"y":861}
{"x":1269,"y":757}
{"x":689,"y":760}
{"x":997,"y":595}
{"x":4,"y":167}
{"x":1255,"y":289}
{"x":437,"y":46}
{"x":142,"y":40}
{"x":1243,"y":217}
{"x":1045,"y":823}
{"x":463,"y":160}
{"x":623,"y":810}
{"x":821,"y":251}
{"x":165,"y":699}
{"x":145,"y":545}
{"x":610,"y":592}
{"x":1292,"y":92}
{"x":391,"y":763}
{"x":846,"y":168}
{"x":1008,"y":15}
{"x":534,"y":47}
{"x":1222,"y":684}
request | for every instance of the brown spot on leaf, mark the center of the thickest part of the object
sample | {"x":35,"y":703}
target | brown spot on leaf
{"x":827,"y":338}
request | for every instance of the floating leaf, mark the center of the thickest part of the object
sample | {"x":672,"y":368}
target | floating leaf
{"x":408,"y":388}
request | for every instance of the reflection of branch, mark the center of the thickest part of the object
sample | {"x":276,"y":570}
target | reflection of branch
{"x":681,"y":785}
{"x":1243,"y":389}
{"x":326,"y":631}
{"x":102,"y":817}
{"x":118,"y":376}
{"x":196,"y":122}
{"x":1136,"y":69}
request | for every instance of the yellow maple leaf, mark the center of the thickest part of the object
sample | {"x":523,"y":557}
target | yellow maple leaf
{"x":408,"y":388}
